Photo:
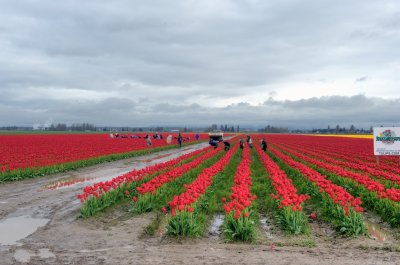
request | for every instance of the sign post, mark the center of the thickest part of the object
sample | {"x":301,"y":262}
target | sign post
{"x":386,"y":141}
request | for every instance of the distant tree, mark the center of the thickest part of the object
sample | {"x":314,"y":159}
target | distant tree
{"x":58,"y":127}
{"x":272,"y":129}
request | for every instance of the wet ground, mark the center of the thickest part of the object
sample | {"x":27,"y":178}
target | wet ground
{"x":40,"y":224}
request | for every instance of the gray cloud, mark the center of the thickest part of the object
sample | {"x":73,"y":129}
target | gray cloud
{"x":137,"y":62}
{"x":305,"y":113}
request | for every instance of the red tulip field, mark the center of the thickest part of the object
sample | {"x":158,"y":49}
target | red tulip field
{"x":299,"y":179}
{"x":30,"y":155}
{"x":304,"y":199}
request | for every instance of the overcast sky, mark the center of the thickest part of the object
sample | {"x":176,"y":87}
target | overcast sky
{"x":298,"y":64}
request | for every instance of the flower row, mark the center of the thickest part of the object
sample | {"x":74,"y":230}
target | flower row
{"x":241,"y":197}
{"x":135,"y":175}
{"x":174,"y":173}
{"x":286,"y":192}
{"x":337,"y":193}
{"x":197,"y":188}
{"x":364,"y":180}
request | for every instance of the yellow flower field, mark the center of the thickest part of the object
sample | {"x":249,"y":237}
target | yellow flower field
{"x":365,"y":136}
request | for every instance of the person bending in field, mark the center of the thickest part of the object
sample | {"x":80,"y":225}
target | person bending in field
{"x":213,"y":143}
{"x":264,"y":145}
{"x":227,"y":145}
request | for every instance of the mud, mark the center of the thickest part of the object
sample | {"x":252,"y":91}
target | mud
{"x":56,"y":235}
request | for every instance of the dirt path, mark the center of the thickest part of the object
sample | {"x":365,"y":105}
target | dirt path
{"x":39,"y":224}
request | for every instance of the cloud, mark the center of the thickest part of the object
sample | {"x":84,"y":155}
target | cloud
{"x":138,"y":62}
{"x":358,"y":110}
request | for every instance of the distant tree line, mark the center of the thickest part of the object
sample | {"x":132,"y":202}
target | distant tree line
{"x":150,"y":129}
{"x":74,"y":127}
{"x":272,"y":129}
{"x":343,"y":130}
{"x":224,"y":128}
{"x":15,"y":128}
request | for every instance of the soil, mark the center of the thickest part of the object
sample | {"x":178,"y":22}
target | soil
{"x":40,"y":224}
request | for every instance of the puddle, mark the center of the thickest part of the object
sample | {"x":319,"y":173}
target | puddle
{"x":162,"y":156}
{"x":375,"y":231}
{"x":154,"y":158}
{"x":45,"y":253}
{"x":216,"y":223}
{"x":107,"y":178}
{"x":22,"y":255}
{"x":65,"y":182}
{"x":266,"y":227}
{"x":17,"y":228}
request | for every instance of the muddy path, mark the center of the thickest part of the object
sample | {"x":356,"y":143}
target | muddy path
{"x":40,"y":224}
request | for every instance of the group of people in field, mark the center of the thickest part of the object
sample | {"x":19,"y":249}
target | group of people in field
{"x":249,"y":141}
{"x":180,"y":139}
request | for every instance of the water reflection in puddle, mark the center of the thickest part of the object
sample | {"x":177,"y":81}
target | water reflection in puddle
{"x":17,"y":228}
{"x":74,"y":180}
{"x":45,"y":253}
{"x":154,"y":158}
{"x":24,"y":256}
{"x":65,"y":182}
{"x":216,"y":223}
{"x":266,"y":227}
{"x":376,"y":231}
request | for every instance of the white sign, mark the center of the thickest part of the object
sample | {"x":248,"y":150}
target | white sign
{"x":386,"y":141}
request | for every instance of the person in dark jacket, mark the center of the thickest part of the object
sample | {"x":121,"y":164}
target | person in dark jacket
{"x":180,"y":140}
{"x":213,"y":143}
{"x":227,"y":145}
{"x":241,"y":143}
{"x":264,"y":145}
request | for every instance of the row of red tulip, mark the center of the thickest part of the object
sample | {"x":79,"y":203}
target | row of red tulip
{"x":348,"y":161}
{"x":337,"y":193}
{"x":174,"y":173}
{"x":241,"y":197}
{"x":135,"y":175}
{"x":364,"y":180}
{"x":197,"y":188}
{"x":345,"y":149}
{"x":286,"y":192}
